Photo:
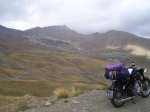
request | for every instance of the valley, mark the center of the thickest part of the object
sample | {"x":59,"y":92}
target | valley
{"x":40,"y":60}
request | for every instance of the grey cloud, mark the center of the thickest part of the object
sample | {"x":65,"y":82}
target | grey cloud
{"x":12,"y":9}
{"x":85,"y":16}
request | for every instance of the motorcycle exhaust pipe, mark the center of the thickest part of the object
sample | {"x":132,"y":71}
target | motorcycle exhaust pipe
{"x":129,"y":98}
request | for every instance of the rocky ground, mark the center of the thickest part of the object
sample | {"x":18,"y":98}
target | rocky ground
{"x":94,"y":101}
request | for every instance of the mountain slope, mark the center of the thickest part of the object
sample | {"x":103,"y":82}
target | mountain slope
{"x":23,"y":62}
{"x":118,"y":46}
{"x":55,"y":36}
{"x":64,"y":38}
{"x":49,"y":69}
{"x":58,"y":56}
{"x":61,"y":32}
{"x":12,"y":40}
{"x":114,"y":40}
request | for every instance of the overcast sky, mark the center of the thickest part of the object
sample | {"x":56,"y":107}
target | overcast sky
{"x":84,"y":16}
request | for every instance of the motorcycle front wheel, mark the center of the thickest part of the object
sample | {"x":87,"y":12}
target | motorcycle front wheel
{"x":145,"y":88}
{"x":116,"y":99}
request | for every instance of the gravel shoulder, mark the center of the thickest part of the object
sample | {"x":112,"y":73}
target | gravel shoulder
{"x":94,"y":101}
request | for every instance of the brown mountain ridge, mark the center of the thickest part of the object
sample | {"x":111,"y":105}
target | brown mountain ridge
{"x":49,"y":57}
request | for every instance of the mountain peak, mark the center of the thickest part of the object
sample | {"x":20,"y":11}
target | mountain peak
{"x":120,"y":33}
{"x":112,"y":30}
{"x":38,"y":27}
{"x":115,"y":31}
{"x":2,"y":27}
{"x":58,"y":27}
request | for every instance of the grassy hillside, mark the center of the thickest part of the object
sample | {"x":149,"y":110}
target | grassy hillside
{"x":40,"y":72}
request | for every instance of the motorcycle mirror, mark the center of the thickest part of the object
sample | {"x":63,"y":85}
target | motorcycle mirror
{"x":145,"y":70}
{"x":133,"y":63}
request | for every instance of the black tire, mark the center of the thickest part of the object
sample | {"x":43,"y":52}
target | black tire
{"x":146,"y":88}
{"x":115,"y":98}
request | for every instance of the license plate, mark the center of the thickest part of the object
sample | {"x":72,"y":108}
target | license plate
{"x":109,"y":94}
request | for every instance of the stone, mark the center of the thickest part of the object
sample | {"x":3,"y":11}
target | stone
{"x":48,"y":103}
{"x":74,"y":101}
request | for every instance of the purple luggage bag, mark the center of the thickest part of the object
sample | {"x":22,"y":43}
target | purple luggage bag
{"x":110,"y":68}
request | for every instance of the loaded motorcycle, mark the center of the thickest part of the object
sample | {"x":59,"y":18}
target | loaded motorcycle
{"x":127,"y":83}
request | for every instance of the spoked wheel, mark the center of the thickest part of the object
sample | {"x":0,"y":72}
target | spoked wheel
{"x":116,"y":99}
{"x":146,"y":88}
